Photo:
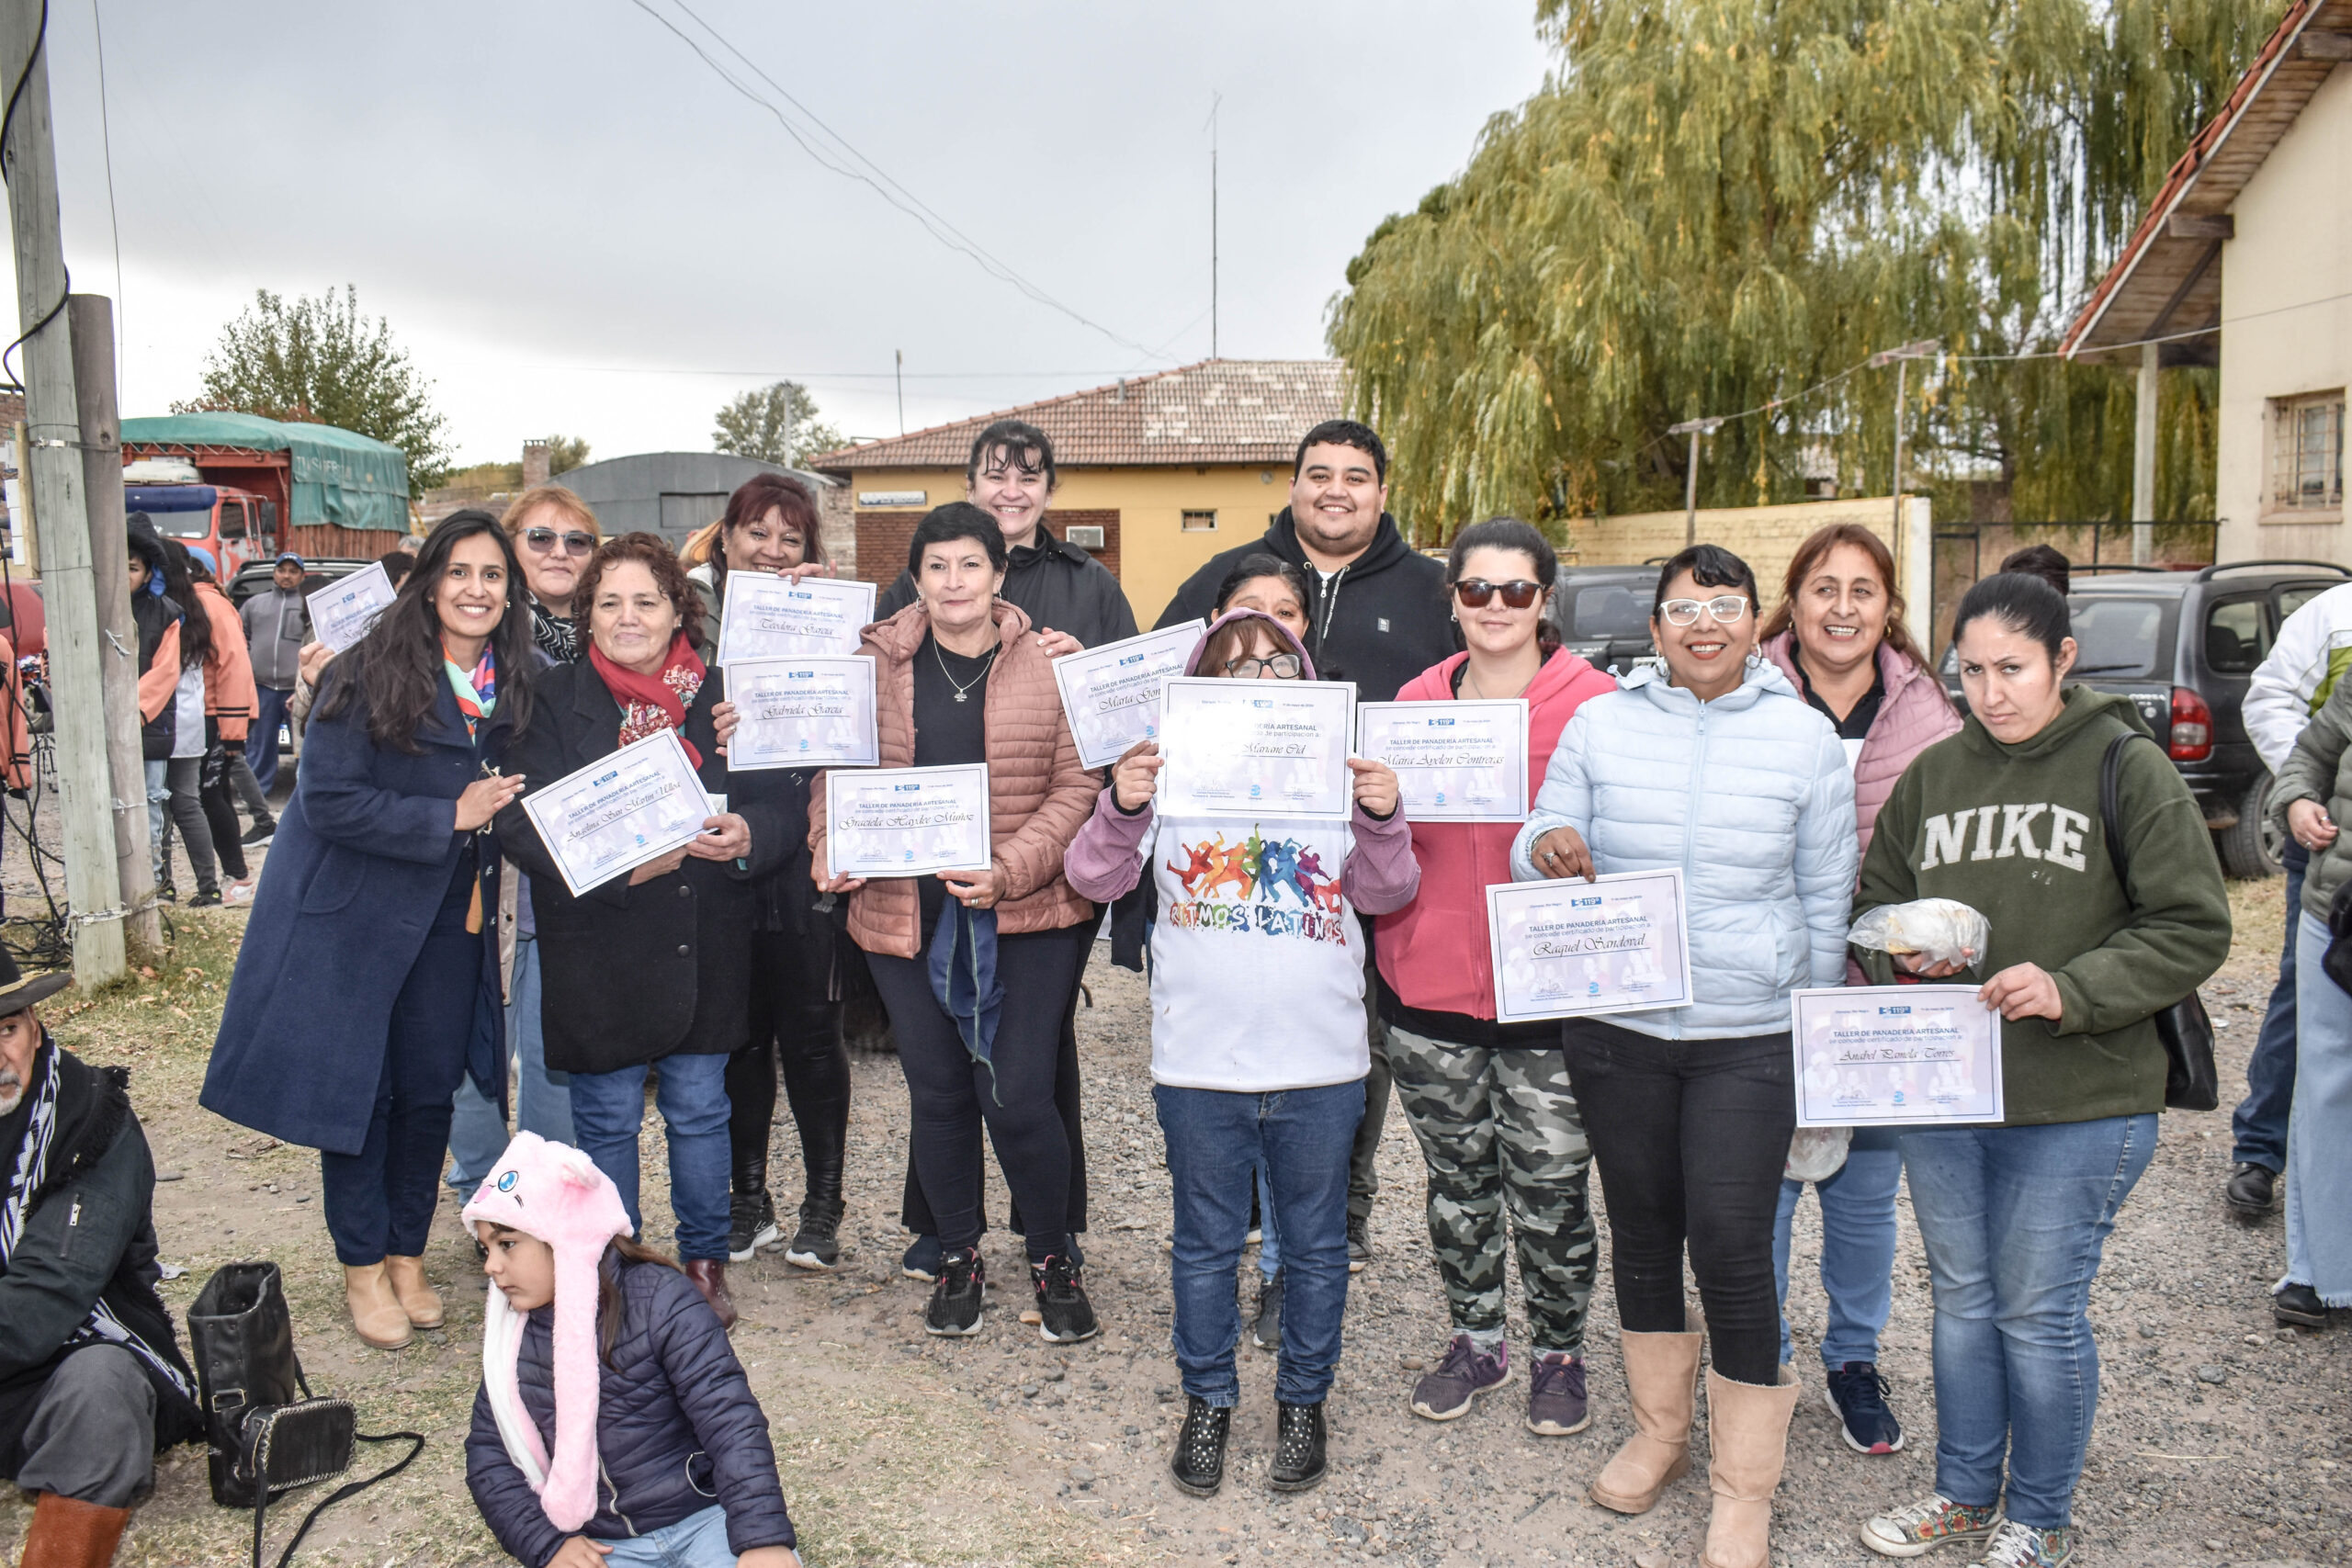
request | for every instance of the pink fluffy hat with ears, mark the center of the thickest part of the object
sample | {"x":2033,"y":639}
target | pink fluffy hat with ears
{"x":556,"y":1193}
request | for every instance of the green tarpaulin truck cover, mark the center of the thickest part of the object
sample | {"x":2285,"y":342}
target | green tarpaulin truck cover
{"x":338,"y":475}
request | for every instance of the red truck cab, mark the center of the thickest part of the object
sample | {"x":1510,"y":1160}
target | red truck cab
{"x":234,"y":526}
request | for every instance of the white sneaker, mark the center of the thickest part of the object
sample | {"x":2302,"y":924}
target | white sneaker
{"x":239,"y":892}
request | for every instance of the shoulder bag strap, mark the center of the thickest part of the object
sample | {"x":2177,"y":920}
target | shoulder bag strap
{"x":2111,"y":803}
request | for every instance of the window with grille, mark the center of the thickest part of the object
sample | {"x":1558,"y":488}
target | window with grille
{"x":1200,"y":522}
{"x":2307,"y":453}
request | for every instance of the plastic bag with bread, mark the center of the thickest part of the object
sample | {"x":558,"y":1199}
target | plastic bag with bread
{"x":1935,"y":931}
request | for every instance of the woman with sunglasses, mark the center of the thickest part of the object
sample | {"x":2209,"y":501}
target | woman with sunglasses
{"x":1711,"y":764}
{"x":554,"y":535}
{"x":1491,"y":1103}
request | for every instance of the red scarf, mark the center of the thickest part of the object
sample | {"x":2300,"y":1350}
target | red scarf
{"x":651,"y":704}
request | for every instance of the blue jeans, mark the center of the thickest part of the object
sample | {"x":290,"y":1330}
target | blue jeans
{"x":2013,"y":1219}
{"x":542,"y":1099}
{"x":1305,"y":1137}
{"x":2259,"y":1124}
{"x":698,"y":1540}
{"x":2319,"y":1180}
{"x":1857,"y":1247}
{"x":607,"y":1108}
{"x":271,"y":707}
{"x":1270,"y":1234}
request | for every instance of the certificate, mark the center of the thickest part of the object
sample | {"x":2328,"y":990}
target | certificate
{"x":907,"y":821}
{"x":1568,"y":948}
{"x":1111,"y":693}
{"x":809,"y":711}
{"x":767,"y":617}
{"x":1257,"y":748}
{"x":1459,"y":761}
{"x":342,"y":612}
{"x":1895,"y":1053}
{"x":619,"y":811}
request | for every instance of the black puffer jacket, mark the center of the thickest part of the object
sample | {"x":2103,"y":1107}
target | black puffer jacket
{"x":153,"y":615}
{"x":677,"y":1429}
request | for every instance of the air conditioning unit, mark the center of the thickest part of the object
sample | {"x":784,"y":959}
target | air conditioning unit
{"x":1085,"y":536}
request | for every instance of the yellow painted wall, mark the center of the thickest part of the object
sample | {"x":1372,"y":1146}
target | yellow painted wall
{"x":1154,"y":555}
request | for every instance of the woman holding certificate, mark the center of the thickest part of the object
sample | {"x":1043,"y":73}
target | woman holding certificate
{"x":975,"y":965}
{"x":2085,"y":947}
{"x":651,"y":964}
{"x":1714,"y":767}
{"x":367,"y":985}
{"x":1490,"y":1103}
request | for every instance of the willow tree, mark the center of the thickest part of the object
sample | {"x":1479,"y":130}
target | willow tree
{"x":1712,"y":205}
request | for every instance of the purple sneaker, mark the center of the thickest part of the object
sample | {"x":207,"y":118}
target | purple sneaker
{"x":1466,"y":1373}
{"x":1555,"y":1401}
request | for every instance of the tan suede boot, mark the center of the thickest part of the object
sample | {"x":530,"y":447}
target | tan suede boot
{"x":68,"y":1534}
{"x":374,"y":1310}
{"x":1748,"y":1431}
{"x":419,"y":1300}
{"x":1662,"y":1383}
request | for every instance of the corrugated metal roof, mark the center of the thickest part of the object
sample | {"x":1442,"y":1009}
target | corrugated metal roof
{"x":1219,"y":411}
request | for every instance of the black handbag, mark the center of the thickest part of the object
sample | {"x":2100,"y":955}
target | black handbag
{"x":2192,"y":1080}
{"x":264,"y":1431}
{"x":2337,"y":961}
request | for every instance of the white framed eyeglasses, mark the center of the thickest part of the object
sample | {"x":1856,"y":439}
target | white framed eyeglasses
{"x":1725,"y":608}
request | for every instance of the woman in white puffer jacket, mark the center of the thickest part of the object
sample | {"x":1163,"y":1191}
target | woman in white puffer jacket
{"x":1713,"y":766}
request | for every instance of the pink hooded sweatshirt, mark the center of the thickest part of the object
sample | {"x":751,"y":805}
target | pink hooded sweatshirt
{"x":1433,"y":953}
{"x":1914,"y":715}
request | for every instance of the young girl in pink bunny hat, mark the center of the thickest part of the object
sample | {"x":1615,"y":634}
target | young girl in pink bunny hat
{"x":615,"y":1426}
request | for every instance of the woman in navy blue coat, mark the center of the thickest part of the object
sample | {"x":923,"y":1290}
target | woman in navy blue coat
{"x":367,"y":985}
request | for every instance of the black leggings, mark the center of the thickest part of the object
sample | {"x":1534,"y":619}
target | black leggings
{"x":796,"y":1023}
{"x":216,"y":794}
{"x":950,"y":1094}
{"x":1691,"y":1136}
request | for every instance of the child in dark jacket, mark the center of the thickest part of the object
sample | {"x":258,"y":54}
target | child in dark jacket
{"x":614,"y":1426}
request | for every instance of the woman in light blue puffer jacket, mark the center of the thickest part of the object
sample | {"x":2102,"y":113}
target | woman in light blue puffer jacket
{"x":1713,"y":766}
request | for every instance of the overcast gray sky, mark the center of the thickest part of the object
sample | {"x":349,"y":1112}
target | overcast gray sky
{"x":575,"y":226}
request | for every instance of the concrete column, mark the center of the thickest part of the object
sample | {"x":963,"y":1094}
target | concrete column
{"x":2144,"y":461}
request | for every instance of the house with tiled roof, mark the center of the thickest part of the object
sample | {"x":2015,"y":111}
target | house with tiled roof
{"x":1159,"y":472}
{"x":2244,"y":260}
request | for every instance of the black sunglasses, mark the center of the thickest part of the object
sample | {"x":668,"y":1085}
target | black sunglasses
{"x":1476,"y":592}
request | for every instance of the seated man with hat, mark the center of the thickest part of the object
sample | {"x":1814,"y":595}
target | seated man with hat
{"x":91,"y":1379}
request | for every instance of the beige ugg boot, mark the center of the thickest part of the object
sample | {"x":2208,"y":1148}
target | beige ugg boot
{"x":1748,"y":1432}
{"x":420,"y":1301}
{"x":374,"y":1310}
{"x":1661,"y":1383}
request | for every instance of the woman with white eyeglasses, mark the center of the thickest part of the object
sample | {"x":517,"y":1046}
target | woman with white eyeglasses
{"x":1713,"y":765}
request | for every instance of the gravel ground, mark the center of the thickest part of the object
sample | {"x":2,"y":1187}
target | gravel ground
{"x":2221,"y":1440}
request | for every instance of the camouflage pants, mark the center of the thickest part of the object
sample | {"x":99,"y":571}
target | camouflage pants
{"x":1499,"y":1129}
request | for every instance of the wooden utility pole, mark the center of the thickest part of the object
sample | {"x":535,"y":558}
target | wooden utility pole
{"x":1693,"y":428}
{"x":60,"y":512}
{"x":91,"y":317}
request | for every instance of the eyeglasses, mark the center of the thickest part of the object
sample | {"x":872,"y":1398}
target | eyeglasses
{"x":1726,"y":609}
{"x":539,"y":541}
{"x":1285,"y":667}
{"x":1476,"y":592}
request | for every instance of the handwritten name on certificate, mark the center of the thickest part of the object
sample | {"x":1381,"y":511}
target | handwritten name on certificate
{"x":907,"y":821}
{"x":1111,"y":693}
{"x":1569,"y":948}
{"x":1895,"y":1053}
{"x":1257,"y":748}
{"x":620,"y":811}
{"x":342,"y":612}
{"x":761,"y":616}
{"x":813,"y":712}
{"x":1460,"y":762}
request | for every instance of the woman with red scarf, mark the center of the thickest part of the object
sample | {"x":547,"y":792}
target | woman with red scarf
{"x":653,"y":965}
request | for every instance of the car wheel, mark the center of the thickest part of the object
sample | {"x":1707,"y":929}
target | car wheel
{"x":2252,"y":847}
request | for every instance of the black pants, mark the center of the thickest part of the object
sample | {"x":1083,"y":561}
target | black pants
{"x":950,"y":1094}
{"x":1691,"y":1136}
{"x":795,"y":1023}
{"x":216,"y":794}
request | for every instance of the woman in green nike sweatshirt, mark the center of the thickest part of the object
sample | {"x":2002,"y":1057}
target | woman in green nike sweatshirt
{"x":2005,"y":817}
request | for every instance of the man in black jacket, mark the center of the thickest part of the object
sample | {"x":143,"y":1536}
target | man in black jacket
{"x":1377,"y":616}
{"x":92,"y":1383}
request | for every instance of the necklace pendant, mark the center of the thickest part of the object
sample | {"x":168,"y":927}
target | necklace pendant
{"x":960,"y":697}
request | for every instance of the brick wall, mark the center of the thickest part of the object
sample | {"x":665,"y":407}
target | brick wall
{"x":880,"y":552}
{"x":836,"y":526}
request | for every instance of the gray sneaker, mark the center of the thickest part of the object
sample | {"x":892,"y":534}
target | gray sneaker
{"x":1465,"y":1374}
{"x":1556,"y":1398}
{"x":1266,"y":1326}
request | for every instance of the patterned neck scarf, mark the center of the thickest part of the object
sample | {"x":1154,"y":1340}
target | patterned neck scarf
{"x":651,"y":704}
{"x":475,"y":689}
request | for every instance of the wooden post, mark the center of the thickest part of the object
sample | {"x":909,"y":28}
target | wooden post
{"x":53,"y":434}
{"x":91,"y":317}
{"x":2143,"y":462}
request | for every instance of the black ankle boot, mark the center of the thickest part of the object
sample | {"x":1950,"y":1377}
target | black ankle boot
{"x":1199,"y":1465}
{"x":1298,"y":1448}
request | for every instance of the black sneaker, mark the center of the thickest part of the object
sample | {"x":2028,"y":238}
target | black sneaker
{"x":2298,"y":1306}
{"x":1858,"y":1398}
{"x":955,"y":1300}
{"x":1198,"y":1468}
{"x":167,"y":894}
{"x":751,"y":1225}
{"x":260,"y":833}
{"x":816,"y":1243}
{"x":1298,"y":1448}
{"x":1358,"y":1243}
{"x":1266,"y":1323}
{"x":205,"y":901}
{"x":2252,"y":1191}
{"x":921,"y":1259}
{"x":1065,"y":1315}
